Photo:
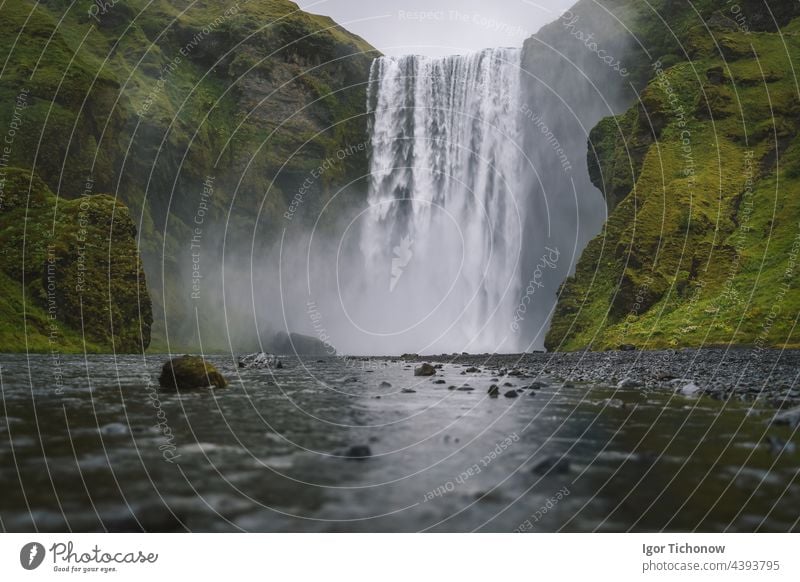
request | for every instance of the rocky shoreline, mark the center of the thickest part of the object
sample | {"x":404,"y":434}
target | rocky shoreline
{"x":746,"y":374}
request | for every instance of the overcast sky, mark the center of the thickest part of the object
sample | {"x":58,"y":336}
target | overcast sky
{"x":440,"y":27}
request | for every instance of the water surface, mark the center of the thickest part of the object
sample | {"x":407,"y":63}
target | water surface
{"x":88,"y":452}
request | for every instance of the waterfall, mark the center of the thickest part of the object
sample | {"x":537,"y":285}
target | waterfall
{"x":441,"y":238}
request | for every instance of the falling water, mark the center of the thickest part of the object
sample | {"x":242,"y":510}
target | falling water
{"x":442,"y":234}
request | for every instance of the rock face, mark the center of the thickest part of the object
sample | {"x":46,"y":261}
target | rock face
{"x":84,"y":285}
{"x":302,"y":345}
{"x":685,"y":174}
{"x":260,"y":361}
{"x":189,"y":373}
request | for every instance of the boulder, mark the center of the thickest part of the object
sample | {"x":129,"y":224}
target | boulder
{"x":188,"y":373}
{"x":494,"y":391}
{"x":425,"y":370}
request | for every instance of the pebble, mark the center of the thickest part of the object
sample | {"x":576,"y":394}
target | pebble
{"x":358,"y":452}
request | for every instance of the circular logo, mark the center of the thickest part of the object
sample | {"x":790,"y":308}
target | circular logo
{"x":31,"y":555}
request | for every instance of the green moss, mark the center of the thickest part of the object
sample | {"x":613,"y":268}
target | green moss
{"x":702,"y":249}
{"x":241,"y":117}
{"x":190,"y":372}
{"x":72,"y":276}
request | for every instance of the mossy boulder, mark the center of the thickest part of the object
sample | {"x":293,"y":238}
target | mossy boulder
{"x":425,"y":370}
{"x":189,"y":373}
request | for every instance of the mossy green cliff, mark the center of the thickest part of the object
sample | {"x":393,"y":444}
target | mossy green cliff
{"x":701,"y":179}
{"x":153,"y":100}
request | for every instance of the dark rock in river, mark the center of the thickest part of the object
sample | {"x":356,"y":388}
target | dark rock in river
{"x":190,"y":372}
{"x":302,"y":345}
{"x":358,"y":452}
{"x":554,"y":464}
{"x":511,"y":394}
{"x":472,"y":370}
{"x":259,"y":361}
{"x":425,"y":370}
{"x":114,"y":429}
{"x":494,"y":391}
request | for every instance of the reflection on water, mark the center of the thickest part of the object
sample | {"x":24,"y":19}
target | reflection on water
{"x":270,"y":452}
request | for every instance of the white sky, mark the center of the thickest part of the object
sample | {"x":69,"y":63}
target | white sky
{"x":440,"y":27}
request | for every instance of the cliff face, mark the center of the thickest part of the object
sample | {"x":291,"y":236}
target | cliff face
{"x":72,"y":268}
{"x":576,"y":71}
{"x":700,"y":176}
{"x":204,"y":118}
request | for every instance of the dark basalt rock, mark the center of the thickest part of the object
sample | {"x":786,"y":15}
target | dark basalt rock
{"x":511,"y":394}
{"x":494,"y":391}
{"x":554,"y":465}
{"x":425,"y":370}
{"x":189,"y":373}
{"x":358,"y":453}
